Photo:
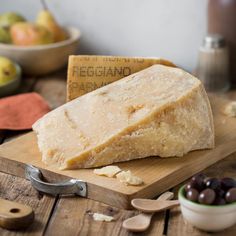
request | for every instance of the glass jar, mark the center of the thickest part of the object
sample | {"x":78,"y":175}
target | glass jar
{"x":222,"y":20}
{"x":213,"y":64}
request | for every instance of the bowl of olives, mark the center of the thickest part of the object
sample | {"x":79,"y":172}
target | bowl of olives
{"x":209,"y":203}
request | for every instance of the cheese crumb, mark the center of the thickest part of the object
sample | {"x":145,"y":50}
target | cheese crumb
{"x":128,"y":178}
{"x":102,"y":217}
{"x":230,"y":109}
{"x":109,"y":171}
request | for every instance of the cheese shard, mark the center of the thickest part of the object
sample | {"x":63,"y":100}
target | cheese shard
{"x":128,"y":178}
{"x":102,"y":217}
{"x":230,"y":109}
{"x":160,"y":111}
{"x":109,"y":171}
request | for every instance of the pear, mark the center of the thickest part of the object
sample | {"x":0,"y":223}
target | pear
{"x":6,"y":21}
{"x":10,"y":18}
{"x":46,"y":19}
{"x":28,"y":34}
{"x":5,"y":36}
{"x":8,"y":70}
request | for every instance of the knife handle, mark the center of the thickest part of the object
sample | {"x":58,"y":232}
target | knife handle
{"x":14,"y":215}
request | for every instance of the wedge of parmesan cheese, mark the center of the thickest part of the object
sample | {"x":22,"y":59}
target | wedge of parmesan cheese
{"x":102,"y":217}
{"x":128,"y":178}
{"x":160,"y":111}
{"x":109,"y":171}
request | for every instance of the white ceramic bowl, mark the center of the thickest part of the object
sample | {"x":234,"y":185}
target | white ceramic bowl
{"x":10,"y":87}
{"x":43,"y":59}
{"x":207,"y":217}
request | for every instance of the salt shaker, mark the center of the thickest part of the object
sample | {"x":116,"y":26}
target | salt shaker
{"x":213,"y":64}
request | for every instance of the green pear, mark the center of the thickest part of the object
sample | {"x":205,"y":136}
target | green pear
{"x":8,"y":70}
{"x":5,"y":36}
{"x":46,"y":19}
{"x":28,"y":34}
{"x":10,"y":18}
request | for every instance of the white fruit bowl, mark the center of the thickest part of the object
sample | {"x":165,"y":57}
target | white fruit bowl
{"x":207,"y":217}
{"x":43,"y":59}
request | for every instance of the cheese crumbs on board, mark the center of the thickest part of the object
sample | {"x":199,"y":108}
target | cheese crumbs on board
{"x":102,"y":217}
{"x":128,"y":178}
{"x":230,"y":109}
{"x":109,"y":171}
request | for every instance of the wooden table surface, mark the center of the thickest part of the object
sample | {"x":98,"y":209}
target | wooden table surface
{"x":73,"y":215}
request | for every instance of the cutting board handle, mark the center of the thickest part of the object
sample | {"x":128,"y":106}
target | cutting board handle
{"x":72,"y":186}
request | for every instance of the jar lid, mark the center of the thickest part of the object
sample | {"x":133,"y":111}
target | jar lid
{"x":214,"y":41}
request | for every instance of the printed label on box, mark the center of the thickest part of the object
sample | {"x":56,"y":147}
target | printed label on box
{"x":87,"y":73}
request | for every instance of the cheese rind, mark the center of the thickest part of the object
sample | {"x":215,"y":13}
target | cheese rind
{"x":160,"y":111}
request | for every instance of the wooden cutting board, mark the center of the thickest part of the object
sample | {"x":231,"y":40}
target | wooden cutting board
{"x":158,"y":174}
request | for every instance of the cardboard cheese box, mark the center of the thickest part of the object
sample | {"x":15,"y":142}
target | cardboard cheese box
{"x":87,"y":73}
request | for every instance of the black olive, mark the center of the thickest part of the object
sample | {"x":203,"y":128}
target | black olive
{"x":213,"y":183}
{"x":207,"y":196}
{"x":230,"y":196}
{"x":219,"y":201}
{"x":220,"y":192}
{"x":198,"y":181}
{"x":192,"y":195}
{"x":227,"y":183}
{"x":192,"y":184}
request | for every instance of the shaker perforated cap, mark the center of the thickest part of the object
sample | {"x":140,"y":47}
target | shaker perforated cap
{"x":214,"y":41}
